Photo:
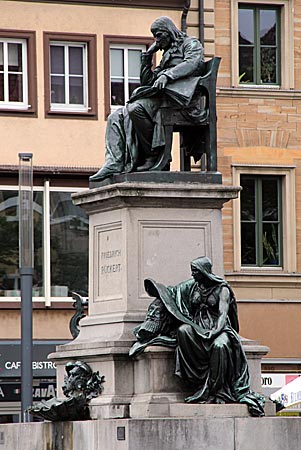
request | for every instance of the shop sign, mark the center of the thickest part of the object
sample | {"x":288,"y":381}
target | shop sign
{"x":11,"y":392}
{"x":290,"y":394}
{"x":10,"y":358}
{"x":276,"y":380}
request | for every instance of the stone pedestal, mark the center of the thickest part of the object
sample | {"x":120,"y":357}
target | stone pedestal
{"x":142,"y":229}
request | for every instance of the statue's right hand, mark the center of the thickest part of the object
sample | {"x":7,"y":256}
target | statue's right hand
{"x":161,"y":82}
{"x":152,"y":49}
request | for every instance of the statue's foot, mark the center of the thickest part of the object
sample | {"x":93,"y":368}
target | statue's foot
{"x":148,"y":164}
{"x":200,"y":396}
{"x":103,"y":173}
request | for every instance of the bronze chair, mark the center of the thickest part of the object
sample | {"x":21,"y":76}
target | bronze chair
{"x":198,"y":136}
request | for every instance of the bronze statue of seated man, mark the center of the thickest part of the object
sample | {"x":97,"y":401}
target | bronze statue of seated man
{"x":134,"y":133}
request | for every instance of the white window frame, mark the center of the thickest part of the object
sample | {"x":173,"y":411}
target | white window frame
{"x":288,"y":216}
{"x":46,"y":189}
{"x":125,"y":48}
{"x":67,"y":106}
{"x":6,"y":103}
{"x":286,"y":46}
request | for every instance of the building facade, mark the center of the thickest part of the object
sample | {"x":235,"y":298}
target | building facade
{"x":65,"y":65}
{"x":259,"y":149}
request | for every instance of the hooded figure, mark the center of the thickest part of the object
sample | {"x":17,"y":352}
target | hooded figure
{"x":199,"y":318}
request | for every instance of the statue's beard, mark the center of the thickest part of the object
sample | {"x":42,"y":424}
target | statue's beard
{"x":148,"y":330}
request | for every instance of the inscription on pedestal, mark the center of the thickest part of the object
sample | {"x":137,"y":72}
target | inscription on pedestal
{"x":108,"y":263}
{"x":107,"y":268}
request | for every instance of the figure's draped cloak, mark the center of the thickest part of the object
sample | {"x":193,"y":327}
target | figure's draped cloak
{"x":215,"y":368}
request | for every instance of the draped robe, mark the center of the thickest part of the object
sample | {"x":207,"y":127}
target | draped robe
{"x":209,"y":356}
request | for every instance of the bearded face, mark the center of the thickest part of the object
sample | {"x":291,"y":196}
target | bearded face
{"x":162,"y":38}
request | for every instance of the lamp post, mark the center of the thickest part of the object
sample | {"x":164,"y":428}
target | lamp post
{"x":26,"y":273}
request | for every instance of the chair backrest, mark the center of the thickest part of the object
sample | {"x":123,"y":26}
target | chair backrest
{"x":213,"y":64}
{"x":211,"y":68}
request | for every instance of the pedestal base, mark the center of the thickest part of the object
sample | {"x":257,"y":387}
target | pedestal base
{"x":193,"y":433}
{"x":146,"y":386}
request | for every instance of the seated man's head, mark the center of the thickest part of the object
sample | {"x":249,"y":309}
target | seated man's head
{"x":162,"y":38}
{"x":165,"y":32}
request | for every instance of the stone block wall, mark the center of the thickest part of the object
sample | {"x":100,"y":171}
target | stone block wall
{"x":156,"y":434}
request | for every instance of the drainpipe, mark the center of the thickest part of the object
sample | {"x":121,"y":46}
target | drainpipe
{"x":201,"y":21}
{"x":184,"y":15}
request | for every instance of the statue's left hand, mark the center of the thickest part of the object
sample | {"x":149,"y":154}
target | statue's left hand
{"x":161,"y":82}
{"x":209,"y":335}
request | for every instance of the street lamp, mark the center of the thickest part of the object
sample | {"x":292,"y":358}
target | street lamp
{"x":26,"y":273}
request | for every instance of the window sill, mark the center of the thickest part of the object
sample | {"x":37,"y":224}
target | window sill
{"x":264,"y":275}
{"x":17,"y":111}
{"x":265,"y":287}
{"x":265,"y":269}
{"x":15,"y":303}
{"x":258,"y":92}
{"x":92,"y":115}
{"x":15,"y":106}
{"x":69,"y":109}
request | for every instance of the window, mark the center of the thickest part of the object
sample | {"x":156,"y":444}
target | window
{"x":264,"y":218}
{"x":260,"y":219}
{"x":124,"y":72}
{"x":70,"y":74}
{"x":122,"y":68}
{"x":262,"y":29}
{"x":17,"y":71}
{"x":259,"y":44}
{"x":13,"y":72}
{"x":68,"y":77}
{"x":60,"y":244}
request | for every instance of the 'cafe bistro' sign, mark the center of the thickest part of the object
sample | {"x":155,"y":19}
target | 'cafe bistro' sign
{"x":10,"y":359}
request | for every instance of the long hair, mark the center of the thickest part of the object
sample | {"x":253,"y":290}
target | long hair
{"x":166,"y":24}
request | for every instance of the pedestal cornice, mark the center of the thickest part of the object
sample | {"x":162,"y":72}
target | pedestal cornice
{"x":151,"y":194}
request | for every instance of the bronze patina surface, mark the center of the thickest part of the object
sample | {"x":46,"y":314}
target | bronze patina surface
{"x":199,"y":319}
{"x":81,"y":385}
{"x":135,"y":133}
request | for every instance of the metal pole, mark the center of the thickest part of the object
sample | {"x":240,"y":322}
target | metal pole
{"x":184,"y":15}
{"x":26,"y":273}
{"x":26,"y":341}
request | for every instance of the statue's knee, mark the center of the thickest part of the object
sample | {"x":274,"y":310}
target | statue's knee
{"x":221,"y":342}
{"x":134,"y":109}
{"x":183,"y":330}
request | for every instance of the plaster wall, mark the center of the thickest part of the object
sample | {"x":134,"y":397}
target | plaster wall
{"x":277,"y":325}
{"x":47,"y":324}
{"x":58,"y":141}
